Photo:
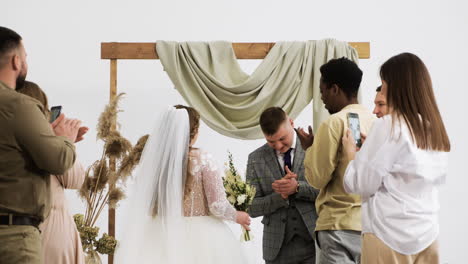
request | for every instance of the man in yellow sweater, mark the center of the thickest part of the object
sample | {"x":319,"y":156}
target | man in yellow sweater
{"x":338,"y":227}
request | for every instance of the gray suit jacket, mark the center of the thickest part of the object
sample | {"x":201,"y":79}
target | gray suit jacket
{"x":263,"y":169}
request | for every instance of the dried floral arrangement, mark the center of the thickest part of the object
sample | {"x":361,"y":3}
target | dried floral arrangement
{"x":105,"y":179}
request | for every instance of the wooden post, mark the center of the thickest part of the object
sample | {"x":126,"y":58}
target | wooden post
{"x":112,"y":95}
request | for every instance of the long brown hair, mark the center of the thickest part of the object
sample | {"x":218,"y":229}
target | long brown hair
{"x":33,"y":90}
{"x":410,"y":96}
{"x":194,"y":120}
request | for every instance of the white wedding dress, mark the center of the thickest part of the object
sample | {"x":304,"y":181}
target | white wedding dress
{"x":188,"y":224}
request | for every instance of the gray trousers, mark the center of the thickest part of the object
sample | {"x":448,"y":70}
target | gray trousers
{"x":297,"y":251}
{"x":339,"y":246}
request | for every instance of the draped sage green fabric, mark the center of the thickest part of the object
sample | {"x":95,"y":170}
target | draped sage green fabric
{"x":230,"y":101}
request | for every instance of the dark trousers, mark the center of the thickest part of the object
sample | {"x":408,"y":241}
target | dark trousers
{"x":296,"y":251}
{"x":20,"y":244}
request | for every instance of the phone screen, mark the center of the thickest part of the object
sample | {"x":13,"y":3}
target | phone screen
{"x":55,"y":112}
{"x":353,"y":124}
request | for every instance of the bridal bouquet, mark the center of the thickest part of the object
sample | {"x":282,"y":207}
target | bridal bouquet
{"x":239,"y":193}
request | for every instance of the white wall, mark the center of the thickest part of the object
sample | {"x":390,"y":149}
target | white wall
{"x":63,"y":43}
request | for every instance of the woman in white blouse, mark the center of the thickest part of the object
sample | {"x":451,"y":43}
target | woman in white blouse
{"x":399,"y":168}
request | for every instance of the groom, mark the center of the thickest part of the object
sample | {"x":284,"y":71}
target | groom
{"x":283,"y":197}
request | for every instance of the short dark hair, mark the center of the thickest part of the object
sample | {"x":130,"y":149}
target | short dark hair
{"x":344,"y":73}
{"x":271,"y":119}
{"x":379,"y":89}
{"x":9,"y":40}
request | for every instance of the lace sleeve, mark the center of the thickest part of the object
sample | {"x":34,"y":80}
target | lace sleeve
{"x":214,"y":190}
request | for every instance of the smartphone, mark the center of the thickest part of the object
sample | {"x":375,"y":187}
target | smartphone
{"x":353,"y":124}
{"x":55,"y":112}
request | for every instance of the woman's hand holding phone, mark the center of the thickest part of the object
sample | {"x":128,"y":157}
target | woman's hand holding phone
{"x":349,"y":145}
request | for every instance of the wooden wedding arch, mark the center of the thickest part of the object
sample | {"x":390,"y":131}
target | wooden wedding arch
{"x":114,"y":51}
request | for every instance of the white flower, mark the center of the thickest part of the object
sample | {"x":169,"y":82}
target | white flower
{"x":232,"y":199}
{"x":241,"y":199}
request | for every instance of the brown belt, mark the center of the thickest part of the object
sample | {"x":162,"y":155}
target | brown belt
{"x":11,"y":219}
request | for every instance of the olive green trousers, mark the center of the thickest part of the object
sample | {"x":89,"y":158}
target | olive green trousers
{"x":20,"y":244}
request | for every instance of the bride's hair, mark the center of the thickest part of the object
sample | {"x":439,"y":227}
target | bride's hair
{"x":194,"y":120}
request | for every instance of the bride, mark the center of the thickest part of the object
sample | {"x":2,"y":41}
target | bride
{"x":178,"y":203}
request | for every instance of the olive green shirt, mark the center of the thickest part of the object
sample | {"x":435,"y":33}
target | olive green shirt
{"x":325,"y":165}
{"x":29,"y":153}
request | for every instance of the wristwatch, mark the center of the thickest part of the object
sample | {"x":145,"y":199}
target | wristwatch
{"x":297,"y":188}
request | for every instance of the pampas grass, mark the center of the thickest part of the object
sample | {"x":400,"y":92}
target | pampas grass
{"x":130,"y":161}
{"x":105,"y":178}
{"x":108,"y":119}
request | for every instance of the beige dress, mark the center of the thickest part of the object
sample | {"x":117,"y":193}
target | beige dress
{"x":60,"y":239}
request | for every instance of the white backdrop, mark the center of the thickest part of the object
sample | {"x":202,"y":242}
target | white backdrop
{"x":63,"y":39}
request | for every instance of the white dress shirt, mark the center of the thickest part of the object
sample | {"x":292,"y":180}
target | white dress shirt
{"x":398,"y":184}
{"x":280,"y":156}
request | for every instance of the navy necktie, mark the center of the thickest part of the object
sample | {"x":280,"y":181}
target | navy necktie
{"x":287,"y":159}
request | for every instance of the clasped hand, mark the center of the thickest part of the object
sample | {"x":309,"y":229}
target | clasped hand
{"x":69,"y":128}
{"x":286,"y":185}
